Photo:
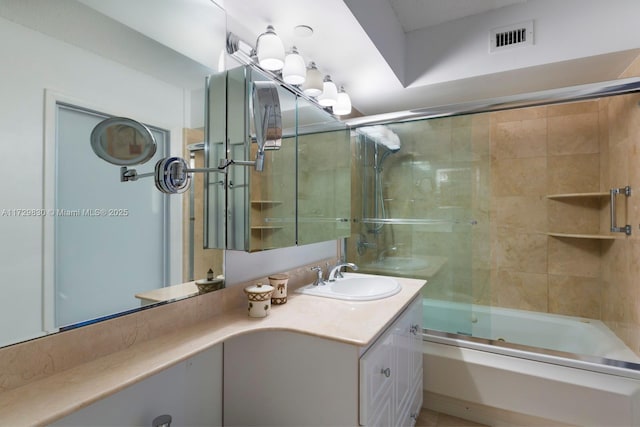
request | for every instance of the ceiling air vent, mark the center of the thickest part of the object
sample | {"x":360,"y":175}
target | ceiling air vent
{"x":516,"y":35}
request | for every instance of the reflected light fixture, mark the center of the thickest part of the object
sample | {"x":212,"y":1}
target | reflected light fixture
{"x":329,"y":96}
{"x":270,"y":50}
{"x":294,"y":71}
{"x":313,"y":84}
{"x":343,"y":105}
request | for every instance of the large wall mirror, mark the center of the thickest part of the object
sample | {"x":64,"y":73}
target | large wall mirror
{"x":301,"y":195}
{"x":78,"y":244}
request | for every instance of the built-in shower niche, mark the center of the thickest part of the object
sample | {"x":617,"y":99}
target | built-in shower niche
{"x":301,"y":195}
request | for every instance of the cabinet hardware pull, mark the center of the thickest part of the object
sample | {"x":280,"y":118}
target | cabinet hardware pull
{"x":414,"y":329}
{"x":612,"y":206}
{"x":414,"y":416}
{"x":386,"y":372}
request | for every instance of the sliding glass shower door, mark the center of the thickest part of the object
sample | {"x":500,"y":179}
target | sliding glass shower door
{"x":423,"y":211}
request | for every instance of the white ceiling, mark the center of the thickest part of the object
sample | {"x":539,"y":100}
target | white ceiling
{"x":417,"y":14}
{"x":444,"y":58}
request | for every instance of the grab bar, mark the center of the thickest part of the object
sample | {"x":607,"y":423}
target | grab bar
{"x":613,"y":193}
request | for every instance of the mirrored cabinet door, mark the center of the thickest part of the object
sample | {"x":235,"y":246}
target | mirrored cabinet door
{"x":324,"y":175}
{"x":300,"y":193}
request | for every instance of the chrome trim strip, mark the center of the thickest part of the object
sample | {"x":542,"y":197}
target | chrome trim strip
{"x":552,"y":96}
{"x":592,"y":363}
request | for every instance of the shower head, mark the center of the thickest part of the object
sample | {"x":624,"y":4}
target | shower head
{"x":381,"y":135}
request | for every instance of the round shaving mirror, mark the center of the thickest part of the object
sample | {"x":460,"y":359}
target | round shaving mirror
{"x":123,"y":142}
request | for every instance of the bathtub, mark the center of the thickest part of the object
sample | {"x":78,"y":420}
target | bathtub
{"x":575,"y":335}
{"x":514,"y":381}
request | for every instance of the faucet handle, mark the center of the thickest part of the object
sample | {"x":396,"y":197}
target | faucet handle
{"x":319,"y":279}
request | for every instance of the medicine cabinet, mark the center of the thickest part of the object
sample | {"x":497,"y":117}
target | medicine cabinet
{"x":301,"y":195}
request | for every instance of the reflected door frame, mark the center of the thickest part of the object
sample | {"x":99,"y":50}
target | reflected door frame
{"x":173,"y":229}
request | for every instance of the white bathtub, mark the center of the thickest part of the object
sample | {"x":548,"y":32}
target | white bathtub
{"x":499,"y":385}
{"x":541,"y":330}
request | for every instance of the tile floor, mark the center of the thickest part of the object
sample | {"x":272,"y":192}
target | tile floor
{"x":429,"y":418}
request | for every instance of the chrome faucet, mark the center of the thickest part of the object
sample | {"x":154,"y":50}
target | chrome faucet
{"x":319,"y":279}
{"x":337,"y":274}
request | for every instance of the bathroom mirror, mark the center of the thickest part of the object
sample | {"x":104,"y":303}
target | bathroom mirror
{"x":78,"y":245}
{"x":302,"y":194}
{"x":122,"y":141}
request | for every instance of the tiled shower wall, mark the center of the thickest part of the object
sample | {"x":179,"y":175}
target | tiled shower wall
{"x":514,"y":160}
{"x":536,"y":152}
{"x":620,"y":292}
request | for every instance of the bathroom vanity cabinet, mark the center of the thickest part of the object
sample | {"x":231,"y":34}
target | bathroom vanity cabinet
{"x":290,"y":379}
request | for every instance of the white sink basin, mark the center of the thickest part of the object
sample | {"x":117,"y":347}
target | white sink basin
{"x":355,"y":287}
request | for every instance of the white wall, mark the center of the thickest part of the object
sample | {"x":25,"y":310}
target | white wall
{"x":31,"y":63}
{"x":564,"y":30}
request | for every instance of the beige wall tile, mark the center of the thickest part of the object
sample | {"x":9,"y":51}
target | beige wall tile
{"x":579,"y":173}
{"x":521,"y":252}
{"x":526,"y":213}
{"x":519,"y":177}
{"x":574,"y":257}
{"x":603,"y":127}
{"x":524,"y":291}
{"x":574,"y":296}
{"x":518,"y":139}
{"x":574,"y":134}
{"x":519,"y":114}
{"x":572,"y":108}
{"x":575,"y":215}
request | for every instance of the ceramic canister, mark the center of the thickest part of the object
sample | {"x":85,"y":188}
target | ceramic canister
{"x":279,"y":283}
{"x":259,"y":297}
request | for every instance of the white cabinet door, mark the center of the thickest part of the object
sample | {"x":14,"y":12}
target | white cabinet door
{"x":407,"y":333}
{"x":391,"y":373}
{"x":376,"y":379}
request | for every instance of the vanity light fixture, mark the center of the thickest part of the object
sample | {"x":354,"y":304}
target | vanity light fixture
{"x":329,"y":96}
{"x":269,"y":56}
{"x":270,"y":50}
{"x":313,"y":84}
{"x":294,"y":71}
{"x":343,"y":106}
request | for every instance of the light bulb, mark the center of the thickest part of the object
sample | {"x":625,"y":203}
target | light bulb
{"x":329,"y":95}
{"x":343,"y":105}
{"x":270,"y":50}
{"x":294,"y":71}
{"x":313,"y":84}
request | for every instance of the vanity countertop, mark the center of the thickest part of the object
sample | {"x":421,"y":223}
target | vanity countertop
{"x":357,"y":323}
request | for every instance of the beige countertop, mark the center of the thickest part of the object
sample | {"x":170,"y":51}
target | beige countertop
{"x":46,"y":400}
{"x":169,"y":293}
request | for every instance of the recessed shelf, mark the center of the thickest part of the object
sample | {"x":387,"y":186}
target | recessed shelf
{"x":266,"y":202}
{"x":576,"y":195}
{"x":585,"y":236}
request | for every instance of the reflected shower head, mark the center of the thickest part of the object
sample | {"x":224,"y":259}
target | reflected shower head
{"x":381,"y":135}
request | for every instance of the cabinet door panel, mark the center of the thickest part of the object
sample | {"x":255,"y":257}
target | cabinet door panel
{"x":381,"y":415}
{"x":376,"y":377}
{"x":407,"y":332}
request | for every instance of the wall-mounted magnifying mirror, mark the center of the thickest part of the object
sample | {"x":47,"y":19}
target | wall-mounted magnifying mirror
{"x":123,"y":142}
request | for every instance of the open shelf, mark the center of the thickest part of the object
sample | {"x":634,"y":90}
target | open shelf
{"x":585,"y":236}
{"x":266,"y":202}
{"x":576,"y":195}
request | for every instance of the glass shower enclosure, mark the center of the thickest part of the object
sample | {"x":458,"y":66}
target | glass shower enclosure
{"x":520,"y":214}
